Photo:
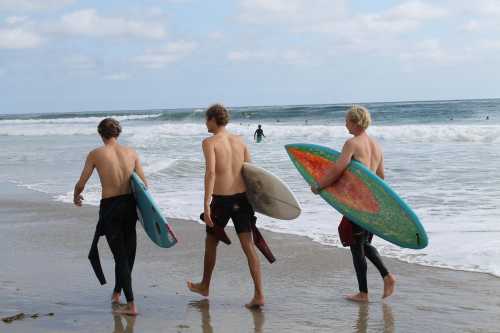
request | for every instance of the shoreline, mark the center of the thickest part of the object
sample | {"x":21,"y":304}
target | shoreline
{"x":169,"y":218}
{"x":46,"y":270}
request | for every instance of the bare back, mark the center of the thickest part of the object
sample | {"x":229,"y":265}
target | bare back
{"x":367,"y":151}
{"x":230,"y":154}
{"x":115,"y":164}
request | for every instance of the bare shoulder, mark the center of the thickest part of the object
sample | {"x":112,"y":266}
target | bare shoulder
{"x":238,"y":138}
{"x":208,"y":142}
{"x":130,"y":150}
{"x":96,"y":152}
{"x":351,"y":143}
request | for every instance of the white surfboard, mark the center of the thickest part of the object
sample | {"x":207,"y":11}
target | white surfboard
{"x":269,"y":195}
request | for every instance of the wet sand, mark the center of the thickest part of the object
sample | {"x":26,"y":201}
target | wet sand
{"x":44,"y":247}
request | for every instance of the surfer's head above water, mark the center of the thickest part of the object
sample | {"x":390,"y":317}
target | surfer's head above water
{"x":357,"y":119}
{"x":217,"y":116}
{"x":109,"y":128}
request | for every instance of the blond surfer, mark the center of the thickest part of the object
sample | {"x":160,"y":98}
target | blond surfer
{"x":365,"y":150}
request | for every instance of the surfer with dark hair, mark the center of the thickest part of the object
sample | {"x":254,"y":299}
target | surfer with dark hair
{"x":225,"y":198}
{"x":117,"y":213}
{"x":365,"y":150}
{"x":259,"y":134}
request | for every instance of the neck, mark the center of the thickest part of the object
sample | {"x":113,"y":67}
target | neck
{"x":358,"y":132}
{"x":108,"y":142}
{"x":219,"y":130}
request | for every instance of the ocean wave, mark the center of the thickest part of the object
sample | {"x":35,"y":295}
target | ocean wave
{"x":76,"y":120}
{"x":145,"y":136}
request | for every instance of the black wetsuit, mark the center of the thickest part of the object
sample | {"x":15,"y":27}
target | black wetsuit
{"x":117,"y":221}
{"x":361,"y":249}
{"x":259,"y":133}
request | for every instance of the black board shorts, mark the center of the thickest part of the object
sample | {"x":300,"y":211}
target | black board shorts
{"x":235,"y":207}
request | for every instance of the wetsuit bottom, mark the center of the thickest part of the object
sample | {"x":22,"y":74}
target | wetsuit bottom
{"x":119,"y":230}
{"x":361,"y":249}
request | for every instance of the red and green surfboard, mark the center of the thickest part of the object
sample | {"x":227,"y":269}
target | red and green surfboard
{"x":361,"y":196}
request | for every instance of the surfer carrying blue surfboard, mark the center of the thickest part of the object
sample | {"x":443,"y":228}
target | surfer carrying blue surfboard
{"x":225,"y":198}
{"x":117,"y":212}
{"x":365,"y":150}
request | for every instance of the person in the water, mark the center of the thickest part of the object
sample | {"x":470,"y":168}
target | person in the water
{"x":259,"y":134}
{"x":117,"y":213}
{"x":368,"y":152}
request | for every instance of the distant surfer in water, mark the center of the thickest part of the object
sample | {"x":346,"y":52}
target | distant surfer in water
{"x":117,"y":213}
{"x":365,"y":150}
{"x":225,"y":198}
{"x":259,"y":134}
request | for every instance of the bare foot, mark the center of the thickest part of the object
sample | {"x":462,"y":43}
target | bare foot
{"x":130,"y":309}
{"x":197,"y":288}
{"x":255,"y":303}
{"x":389,"y":284}
{"x":115,"y":298}
{"x":359,"y":297}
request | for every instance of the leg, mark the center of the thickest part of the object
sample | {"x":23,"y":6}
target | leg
{"x":203,"y":287}
{"x":389,"y":279}
{"x":254,"y":265}
{"x":116,"y":241}
{"x":130,"y":240}
{"x":359,"y":261}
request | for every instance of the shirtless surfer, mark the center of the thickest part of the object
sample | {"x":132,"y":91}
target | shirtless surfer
{"x":225,"y":197}
{"x":117,"y":213}
{"x":365,"y":150}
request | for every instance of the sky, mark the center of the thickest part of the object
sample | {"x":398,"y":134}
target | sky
{"x":73,"y":55}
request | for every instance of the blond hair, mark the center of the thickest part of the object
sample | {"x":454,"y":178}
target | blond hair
{"x":360,"y":116}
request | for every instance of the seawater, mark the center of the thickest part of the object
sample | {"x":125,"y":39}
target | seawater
{"x":441,"y":157}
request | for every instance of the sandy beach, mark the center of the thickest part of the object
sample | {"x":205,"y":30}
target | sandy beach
{"x":45,"y":270}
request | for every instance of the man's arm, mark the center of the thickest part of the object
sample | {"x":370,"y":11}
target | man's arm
{"x":255,"y":135}
{"x":247,"y":158}
{"x":84,"y":177}
{"x":138,"y":169}
{"x":209,"y":153}
{"x":336,"y":171}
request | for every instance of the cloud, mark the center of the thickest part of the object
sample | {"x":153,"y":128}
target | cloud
{"x":171,"y":53}
{"x":19,"y":38}
{"x":489,"y":44}
{"x":403,"y":18}
{"x":15,"y":20}
{"x":32,"y":5}
{"x":290,"y":12}
{"x":292,"y":57}
{"x":87,"y":22}
{"x":432,"y":51}
{"x":343,"y":29}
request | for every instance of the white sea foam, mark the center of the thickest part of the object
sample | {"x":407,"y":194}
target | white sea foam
{"x":75,"y":120}
{"x":142,"y":135}
{"x":446,"y":172}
